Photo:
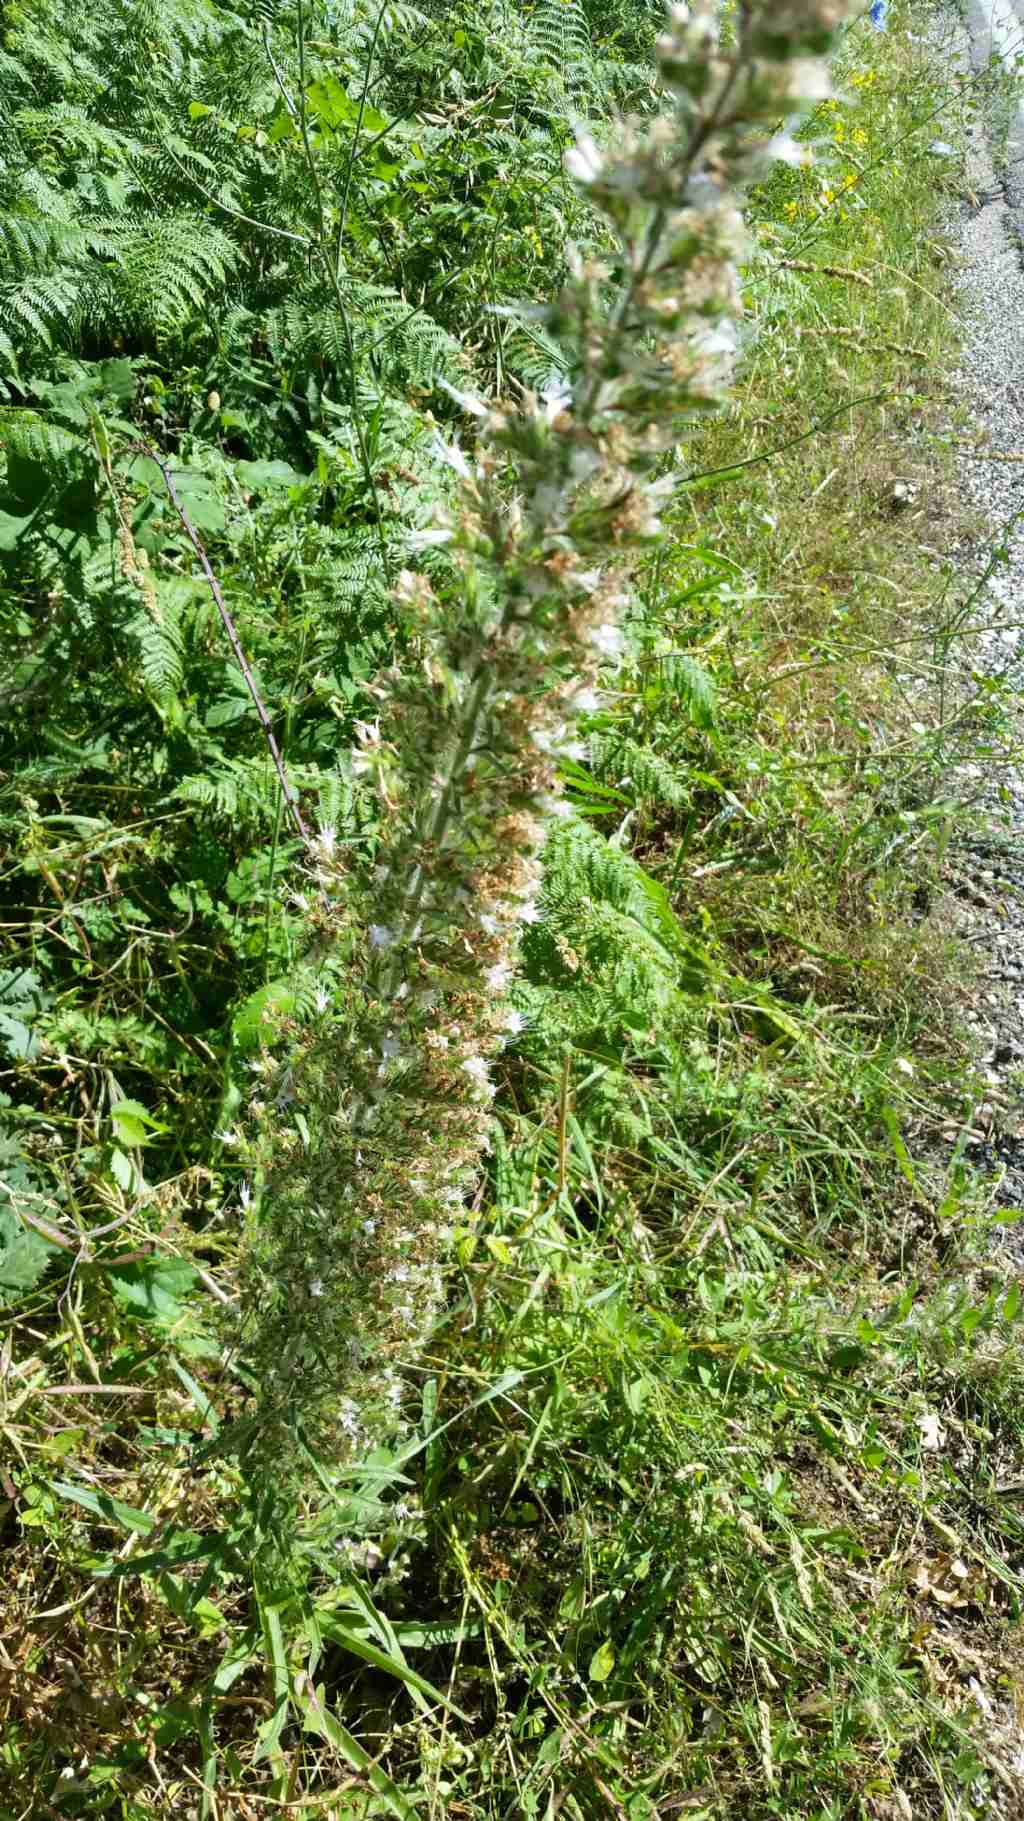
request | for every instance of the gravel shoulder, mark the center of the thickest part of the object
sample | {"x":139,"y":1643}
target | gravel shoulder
{"x":985,"y":880}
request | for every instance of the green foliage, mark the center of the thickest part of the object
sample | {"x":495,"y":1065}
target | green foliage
{"x":664,"y":1524}
{"x":21,"y":1001}
{"x":24,"y":1253}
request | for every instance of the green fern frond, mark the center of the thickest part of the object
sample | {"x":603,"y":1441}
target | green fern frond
{"x":40,"y":304}
{"x":642,"y":773}
{"x":168,"y":268}
{"x":534,"y":357}
{"x":73,"y":130}
{"x":34,"y":438}
{"x":682,"y":675}
{"x":156,"y":631}
{"x":561,"y":34}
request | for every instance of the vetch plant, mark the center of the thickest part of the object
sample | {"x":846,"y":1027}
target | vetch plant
{"x":370,"y":1140}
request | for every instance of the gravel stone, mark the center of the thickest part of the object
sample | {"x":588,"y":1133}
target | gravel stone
{"x":989,"y":864}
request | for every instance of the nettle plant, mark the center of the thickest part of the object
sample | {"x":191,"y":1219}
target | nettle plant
{"x":368,"y":1138}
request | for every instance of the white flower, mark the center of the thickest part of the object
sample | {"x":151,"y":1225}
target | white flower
{"x":719,"y":340}
{"x":513,"y":1022}
{"x":226,"y":1137}
{"x":389,"y":1049}
{"x":606,"y":638}
{"x":585,"y":701}
{"x":556,"y":398}
{"x":549,"y":739}
{"x":369,"y":1227}
{"x":316,"y":1288}
{"x":321,"y":999}
{"x":452,"y":455}
{"x":468,"y":400}
{"x":497,"y":978}
{"x":476,"y":1069}
{"x":785,"y":149}
{"x":809,"y":79}
{"x":553,"y":806}
{"x":427,"y":540}
{"x":245,"y":1196}
{"x":327,"y":839}
{"x":528,"y":912}
{"x":381,"y":936}
{"x":584,"y":161}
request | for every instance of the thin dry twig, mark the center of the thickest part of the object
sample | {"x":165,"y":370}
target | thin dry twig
{"x":236,"y":645}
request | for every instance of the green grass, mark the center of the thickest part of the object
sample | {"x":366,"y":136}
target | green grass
{"x":699,"y":1512}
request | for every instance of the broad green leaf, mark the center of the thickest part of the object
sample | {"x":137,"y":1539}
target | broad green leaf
{"x":12,"y":529}
{"x":317,"y":1718}
{"x":391,"y":1665}
{"x":330,"y":102}
{"x":602,"y":1662}
{"x":334,"y":107}
{"x":104,"y":1505}
{"x":268,"y":1739}
{"x":116,"y":378}
{"x":133,"y":1122}
{"x":21,"y":1000}
{"x":267,"y":474}
{"x":156,"y":1289}
{"x":258,"y":1017}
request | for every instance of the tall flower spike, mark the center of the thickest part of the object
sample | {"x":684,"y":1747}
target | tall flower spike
{"x":391,"y":1090}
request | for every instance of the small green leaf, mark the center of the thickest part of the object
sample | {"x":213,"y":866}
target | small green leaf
{"x":133,"y":1123}
{"x":123,"y":1171}
{"x":130,"y":1130}
{"x":602,"y":1662}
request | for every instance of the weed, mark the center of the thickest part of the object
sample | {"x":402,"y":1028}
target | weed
{"x":706,"y":1495}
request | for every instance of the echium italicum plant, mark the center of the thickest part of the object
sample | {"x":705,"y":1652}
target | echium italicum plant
{"x":368,"y":1139}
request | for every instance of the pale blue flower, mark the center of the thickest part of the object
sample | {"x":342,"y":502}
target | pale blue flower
{"x":878,"y":13}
